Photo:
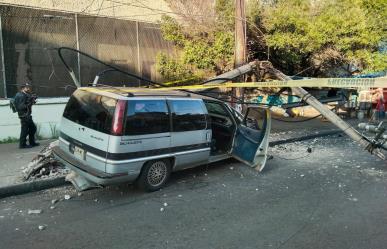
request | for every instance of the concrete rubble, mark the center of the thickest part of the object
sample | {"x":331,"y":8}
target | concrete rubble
{"x":44,"y":165}
{"x":34,"y":211}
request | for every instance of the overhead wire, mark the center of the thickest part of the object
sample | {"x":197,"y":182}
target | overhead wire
{"x":144,"y":79}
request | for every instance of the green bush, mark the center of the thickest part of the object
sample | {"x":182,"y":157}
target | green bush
{"x":201,"y":52}
{"x":299,"y":30}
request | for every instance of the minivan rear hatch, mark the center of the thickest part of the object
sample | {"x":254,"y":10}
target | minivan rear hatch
{"x":85,"y":127}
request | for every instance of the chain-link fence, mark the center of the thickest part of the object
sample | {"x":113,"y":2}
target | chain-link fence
{"x":30,"y":38}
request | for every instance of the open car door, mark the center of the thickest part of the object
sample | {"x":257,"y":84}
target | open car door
{"x":252,"y":138}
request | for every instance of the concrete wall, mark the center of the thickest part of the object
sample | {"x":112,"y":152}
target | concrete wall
{"x":46,"y":114}
{"x":144,"y":10}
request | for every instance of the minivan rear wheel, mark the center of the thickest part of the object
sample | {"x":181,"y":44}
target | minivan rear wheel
{"x":154,"y":175}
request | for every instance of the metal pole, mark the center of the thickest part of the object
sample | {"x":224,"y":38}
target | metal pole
{"x":138,"y":53}
{"x":2,"y":59}
{"x":78,"y":55}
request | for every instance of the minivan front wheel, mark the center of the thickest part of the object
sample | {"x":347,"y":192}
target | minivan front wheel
{"x":154,"y":175}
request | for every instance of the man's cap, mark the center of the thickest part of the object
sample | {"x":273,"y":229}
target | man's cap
{"x":27,"y":84}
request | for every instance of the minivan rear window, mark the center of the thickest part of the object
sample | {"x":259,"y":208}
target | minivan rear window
{"x":91,"y":110}
{"x":147,"y":117}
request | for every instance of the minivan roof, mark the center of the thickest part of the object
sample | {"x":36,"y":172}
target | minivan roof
{"x":128,"y":92}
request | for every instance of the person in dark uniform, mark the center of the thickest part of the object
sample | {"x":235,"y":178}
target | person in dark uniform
{"x":23,"y":102}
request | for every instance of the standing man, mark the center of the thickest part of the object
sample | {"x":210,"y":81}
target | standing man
{"x":23,"y":103}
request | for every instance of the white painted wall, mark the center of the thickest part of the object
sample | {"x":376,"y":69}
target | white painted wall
{"x":46,"y":115}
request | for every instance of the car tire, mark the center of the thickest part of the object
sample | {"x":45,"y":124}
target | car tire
{"x":154,"y":175}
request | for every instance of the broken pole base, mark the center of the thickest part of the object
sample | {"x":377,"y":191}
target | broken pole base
{"x":79,"y":182}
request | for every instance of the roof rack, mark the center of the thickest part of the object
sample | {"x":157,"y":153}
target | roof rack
{"x":119,"y":91}
{"x":145,"y":92}
{"x":157,"y":93}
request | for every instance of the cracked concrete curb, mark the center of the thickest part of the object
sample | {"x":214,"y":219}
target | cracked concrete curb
{"x":27,"y":187}
{"x":303,"y":138}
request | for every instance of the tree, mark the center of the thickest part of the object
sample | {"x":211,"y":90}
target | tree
{"x":314,"y":37}
{"x":324,"y":35}
{"x":206,"y":45}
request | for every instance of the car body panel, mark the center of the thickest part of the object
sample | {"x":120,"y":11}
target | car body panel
{"x":250,"y":145}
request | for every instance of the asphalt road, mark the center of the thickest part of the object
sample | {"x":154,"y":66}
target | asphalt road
{"x":334,"y":197}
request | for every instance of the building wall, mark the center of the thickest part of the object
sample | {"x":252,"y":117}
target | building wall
{"x":31,"y":38}
{"x":144,"y":10}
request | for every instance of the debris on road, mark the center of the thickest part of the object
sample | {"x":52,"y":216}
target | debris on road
{"x":165,"y":204}
{"x":54,"y":201}
{"x":161,"y":209}
{"x":67,"y":197}
{"x":80,"y":182}
{"x":34,"y":211}
{"x":44,"y":165}
{"x":42,"y":227}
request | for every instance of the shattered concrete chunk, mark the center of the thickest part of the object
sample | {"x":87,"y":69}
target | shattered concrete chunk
{"x":165,"y":204}
{"x":67,"y":197}
{"x":34,"y":211}
{"x":54,"y":201}
{"x":41,"y":227}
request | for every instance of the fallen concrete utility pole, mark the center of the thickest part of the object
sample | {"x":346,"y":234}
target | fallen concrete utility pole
{"x":331,"y":116}
{"x":265,"y":68}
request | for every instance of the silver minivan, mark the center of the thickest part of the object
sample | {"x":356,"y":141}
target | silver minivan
{"x":113,"y":135}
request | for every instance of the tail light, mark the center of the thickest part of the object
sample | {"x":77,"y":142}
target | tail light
{"x":118,"y":119}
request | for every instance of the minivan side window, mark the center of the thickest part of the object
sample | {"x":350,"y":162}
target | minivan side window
{"x":147,"y":117}
{"x":91,"y":110}
{"x":187,"y":115}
